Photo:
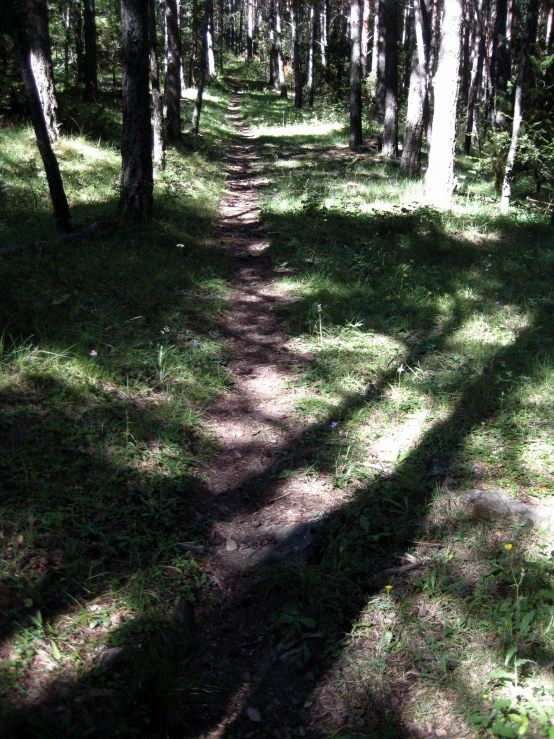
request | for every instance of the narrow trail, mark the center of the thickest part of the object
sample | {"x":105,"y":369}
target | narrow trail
{"x":257,"y":513}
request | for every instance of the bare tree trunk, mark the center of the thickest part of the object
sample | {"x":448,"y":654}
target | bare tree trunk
{"x":323,"y":36}
{"x":172,"y":90}
{"x":296,"y":61}
{"x":365,"y":37}
{"x":79,"y":49}
{"x":194,"y":45}
{"x":381,"y":61}
{"x":440,"y":181}
{"x":136,"y":196}
{"x":41,"y":62}
{"x":273,"y":71}
{"x":375,"y":51}
{"x":311,"y":42}
{"x":13,"y":16}
{"x":390,"y":132}
{"x":516,"y":127}
{"x":91,"y":64}
{"x":203,"y":69}
{"x":355,"y":138}
{"x":477,"y":55}
{"x":549,"y":35}
{"x":249,"y":30}
{"x":280,"y":66}
{"x":66,"y":39}
{"x":157,"y":98}
{"x":435,"y":8}
{"x":410,"y":164}
{"x":210,"y":56}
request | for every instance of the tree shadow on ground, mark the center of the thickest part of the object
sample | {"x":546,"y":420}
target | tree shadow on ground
{"x":279,"y":669}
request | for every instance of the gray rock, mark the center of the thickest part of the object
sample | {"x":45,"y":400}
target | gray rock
{"x":231,"y":545}
{"x":499,"y":504}
{"x":291,"y":542}
{"x":253,"y":714}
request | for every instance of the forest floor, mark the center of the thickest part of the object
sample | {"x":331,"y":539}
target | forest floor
{"x":250,"y":454}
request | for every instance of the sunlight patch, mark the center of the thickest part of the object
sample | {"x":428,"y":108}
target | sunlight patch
{"x":298,"y":129}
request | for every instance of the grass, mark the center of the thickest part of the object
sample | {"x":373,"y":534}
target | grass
{"x":425,"y":366}
{"x":109,"y":354}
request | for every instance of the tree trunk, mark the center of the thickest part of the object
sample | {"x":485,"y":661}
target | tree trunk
{"x":157,"y":99}
{"x":249,"y":30}
{"x":549,"y":35}
{"x":355,"y":138}
{"x":13,"y":16}
{"x":210,"y":56}
{"x":311,"y":42}
{"x":41,"y":62}
{"x":280,"y":66}
{"x":136,"y":189}
{"x":194,"y":45}
{"x":296,"y":62}
{"x":172,"y":90}
{"x":390,"y":133}
{"x":440,"y":181}
{"x":381,"y":61}
{"x":410,"y":164}
{"x":477,"y":55}
{"x":203,"y":69}
{"x":375,"y":50}
{"x":323,"y":36}
{"x":67,"y":16}
{"x":79,"y":49}
{"x":273,"y":71}
{"x":365,"y":37}
{"x":91,"y":64}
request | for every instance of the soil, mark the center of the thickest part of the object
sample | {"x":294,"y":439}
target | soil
{"x":256,"y":513}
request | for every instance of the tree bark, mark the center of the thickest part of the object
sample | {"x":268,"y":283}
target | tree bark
{"x":477,"y":56}
{"x":366,"y":17}
{"x":273,"y":71}
{"x":41,"y":62}
{"x":311,"y":42}
{"x":323,"y":36}
{"x":210,"y":56}
{"x":279,"y":35}
{"x":136,"y":184}
{"x":13,"y":16}
{"x":516,"y":128}
{"x":91,"y":64}
{"x":296,"y":62}
{"x":203,"y":69}
{"x":157,"y":99}
{"x":355,"y":138}
{"x":410,"y":164}
{"x":67,"y":16}
{"x":390,"y":133}
{"x":249,"y":30}
{"x":439,"y":180}
{"x":172,"y":90}
{"x":381,"y":60}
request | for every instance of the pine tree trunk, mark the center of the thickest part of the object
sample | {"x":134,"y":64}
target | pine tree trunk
{"x":249,"y":30}
{"x":375,"y":50}
{"x":136,"y":186}
{"x":323,"y":36}
{"x":157,"y":99}
{"x":273,"y":72}
{"x":296,"y":62}
{"x":477,"y":55}
{"x":440,"y":181}
{"x":381,"y":61}
{"x":13,"y":17}
{"x":280,"y":65}
{"x":390,"y":132}
{"x":203,"y":69}
{"x":311,"y":42}
{"x":79,"y":48}
{"x":172,"y":91}
{"x":366,"y":17}
{"x":41,"y":62}
{"x":410,"y":164}
{"x":194,"y":45}
{"x":67,"y":16}
{"x":91,"y":64}
{"x":210,"y":56}
{"x":355,"y":138}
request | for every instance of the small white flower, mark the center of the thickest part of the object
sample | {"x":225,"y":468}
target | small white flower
{"x":180,"y":246}
{"x":401,"y":369}
{"x":93,"y":353}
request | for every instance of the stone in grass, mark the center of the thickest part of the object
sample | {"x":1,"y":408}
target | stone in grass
{"x":499,"y":504}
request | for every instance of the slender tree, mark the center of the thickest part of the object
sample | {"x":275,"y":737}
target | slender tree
{"x":13,"y":15}
{"x":91,"y":63}
{"x":279,"y":37}
{"x":390,"y":131}
{"x":158,"y":151}
{"x":203,"y":69}
{"x":477,"y":58}
{"x":311,"y":41}
{"x":323,"y":34}
{"x":410,"y":163}
{"x":172,"y":92}
{"x":355,"y":138}
{"x":210,"y":55}
{"x":136,"y":185}
{"x":41,"y":62}
{"x":296,"y":61}
{"x":439,"y":180}
{"x":249,"y":30}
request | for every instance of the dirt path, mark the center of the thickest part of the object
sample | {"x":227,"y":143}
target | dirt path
{"x":258,"y":512}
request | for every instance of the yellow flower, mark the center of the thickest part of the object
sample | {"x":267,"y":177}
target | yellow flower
{"x":388,"y":588}
{"x":404,"y":275}
{"x":508,"y":547}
